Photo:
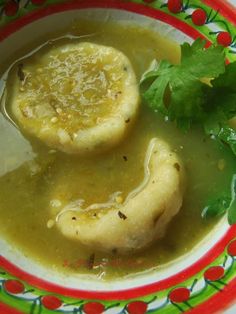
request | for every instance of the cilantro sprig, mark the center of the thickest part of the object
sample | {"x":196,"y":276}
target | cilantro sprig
{"x":221,"y":205}
{"x":200,"y":90}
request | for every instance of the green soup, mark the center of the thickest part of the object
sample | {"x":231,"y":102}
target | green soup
{"x":32,"y":175}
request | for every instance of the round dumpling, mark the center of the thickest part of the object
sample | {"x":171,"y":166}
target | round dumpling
{"x":77,"y":98}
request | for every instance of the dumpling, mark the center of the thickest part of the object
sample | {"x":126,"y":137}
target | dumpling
{"x":144,"y":215}
{"x":77,"y":98}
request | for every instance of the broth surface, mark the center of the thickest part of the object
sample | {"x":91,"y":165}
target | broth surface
{"x":33,"y":176}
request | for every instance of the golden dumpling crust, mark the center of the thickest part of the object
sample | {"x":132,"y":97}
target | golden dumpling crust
{"x":77,"y":98}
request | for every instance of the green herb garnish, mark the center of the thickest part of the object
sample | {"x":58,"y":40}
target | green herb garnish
{"x":232,"y":206}
{"x":222,"y":204}
{"x":200,"y":90}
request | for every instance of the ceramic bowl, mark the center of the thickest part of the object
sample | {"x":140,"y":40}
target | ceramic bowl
{"x":202,"y":281}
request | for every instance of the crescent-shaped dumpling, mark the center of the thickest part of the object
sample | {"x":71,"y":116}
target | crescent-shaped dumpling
{"x":142,"y":218}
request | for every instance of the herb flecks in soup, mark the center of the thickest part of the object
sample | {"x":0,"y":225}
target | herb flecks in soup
{"x":76,"y":97}
{"x":45,"y":181}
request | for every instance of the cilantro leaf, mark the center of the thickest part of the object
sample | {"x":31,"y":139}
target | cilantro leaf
{"x":220,"y":97}
{"x":152,"y":71}
{"x":179,"y":109}
{"x":211,"y":124}
{"x":220,"y":106}
{"x":221,"y":205}
{"x":227,"y":79}
{"x":182,"y":82}
{"x":190,"y":99}
{"x":232,"y":207}
{"x":216,"y":207}
{"x":200,"y":62}
{"x":228,"y":136}
{"x":154,"y":96}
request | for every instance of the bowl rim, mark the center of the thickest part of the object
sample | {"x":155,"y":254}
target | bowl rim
{"x":217,"y":249}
